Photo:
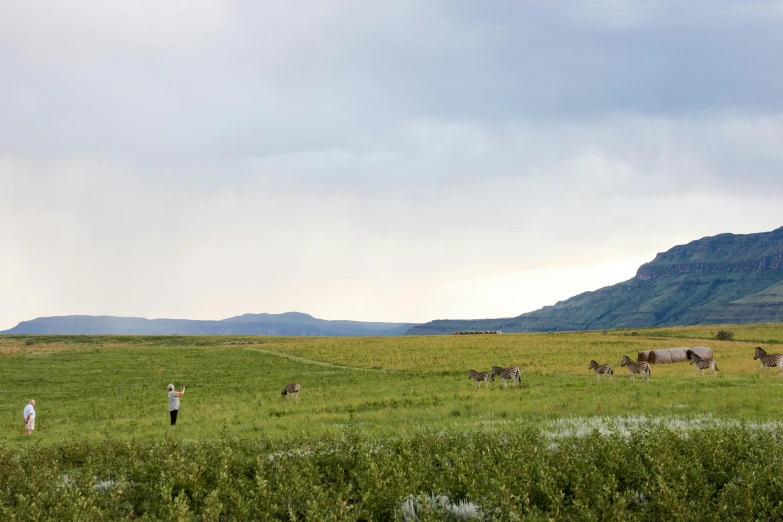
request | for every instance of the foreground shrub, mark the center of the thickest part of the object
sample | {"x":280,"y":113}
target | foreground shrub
{"x":652,"y":473}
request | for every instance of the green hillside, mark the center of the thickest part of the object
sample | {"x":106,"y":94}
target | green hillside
{"x":729,"y":278}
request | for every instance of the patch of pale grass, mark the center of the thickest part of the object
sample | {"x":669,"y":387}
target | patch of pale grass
{"x":17,"y":347}
{"x":569,"y":427}
{"x":441,"y":507}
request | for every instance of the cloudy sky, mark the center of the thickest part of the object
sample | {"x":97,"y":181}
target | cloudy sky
{"x":373,"y":160}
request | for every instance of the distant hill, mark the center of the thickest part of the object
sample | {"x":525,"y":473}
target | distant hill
{"x":290,"y":323}
{"x":728,"y":278}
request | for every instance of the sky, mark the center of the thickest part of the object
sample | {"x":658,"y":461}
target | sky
{"x":388,"y":161}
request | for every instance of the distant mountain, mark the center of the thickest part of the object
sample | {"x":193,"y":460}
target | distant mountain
{"x":728,"y":278}
{"x":290,"y":323}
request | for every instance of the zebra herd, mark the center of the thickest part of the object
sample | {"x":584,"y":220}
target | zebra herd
{"x":702,"y":363}
{"x":641,"y":368}
{"x":510,"y":373}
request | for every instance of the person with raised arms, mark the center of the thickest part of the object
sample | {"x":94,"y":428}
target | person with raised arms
{"x":174,"y":402}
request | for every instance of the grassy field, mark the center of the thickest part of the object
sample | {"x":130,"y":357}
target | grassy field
{"x":109,"y":387}
{"x":389,"y":429}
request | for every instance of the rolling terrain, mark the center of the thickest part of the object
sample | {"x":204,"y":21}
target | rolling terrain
{"x":715,"y":280}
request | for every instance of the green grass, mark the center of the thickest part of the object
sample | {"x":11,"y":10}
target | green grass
{"x":103,"y":387}
{"x":770,"y":333}
{"x":381,"y":423}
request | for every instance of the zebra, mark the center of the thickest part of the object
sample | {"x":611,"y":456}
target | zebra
{"x":291,"y":390}
{"x":600,"y":369}
{"x":636,"y":367}
{"x":769,"y":360}
{"x":478,"y":377}
{"x":511,"y":373}
{"x":702,"y":364}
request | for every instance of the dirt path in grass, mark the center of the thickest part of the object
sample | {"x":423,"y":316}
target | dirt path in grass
{"x":319,"y":363}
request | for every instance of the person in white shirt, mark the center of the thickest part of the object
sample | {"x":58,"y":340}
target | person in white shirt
{"x":29,"y":417}
{"x":174,"y":402}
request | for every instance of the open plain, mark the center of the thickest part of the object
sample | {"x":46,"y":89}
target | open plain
{"x":98,"y":387}
{"x":389,"y":428}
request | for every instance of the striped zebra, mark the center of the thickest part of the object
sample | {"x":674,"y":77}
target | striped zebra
{"x":291,"y":390}
{"x":641,"y":368}
{"x":601,"y":369}
{"x":702,"y":364}
{"x":478,"y":377}
{"x":769,"y":360}
{"x":511,"y":373}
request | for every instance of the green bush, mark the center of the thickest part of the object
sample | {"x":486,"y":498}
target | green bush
{"x":724,"y":335}
{"x":650,"y":474}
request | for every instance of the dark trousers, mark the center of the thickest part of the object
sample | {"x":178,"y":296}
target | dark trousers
{"x":173,"y":414}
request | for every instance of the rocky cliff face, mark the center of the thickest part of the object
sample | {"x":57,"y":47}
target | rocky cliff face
{"x":723,"y":253}
{"x":652,"y":271}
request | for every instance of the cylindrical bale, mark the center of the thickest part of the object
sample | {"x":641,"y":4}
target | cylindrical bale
{"x":678,"y":355}
{"x":643,"y":356}
{"x":659,"y":357}
{"x":703,"y":352}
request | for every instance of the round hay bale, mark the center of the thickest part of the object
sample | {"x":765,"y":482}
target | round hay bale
{"x":678,"y":355}
{"x":643,"y":356}
{"x":702,"y":351}
{"x":659,"y":357}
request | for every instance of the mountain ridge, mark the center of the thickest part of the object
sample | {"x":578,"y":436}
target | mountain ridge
{"x":285,"y":324}
{"x":727,"y":278}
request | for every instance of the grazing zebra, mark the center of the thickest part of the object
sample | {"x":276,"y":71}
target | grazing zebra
{"x":600,"y":369}
{"x":702,"y":364}
{"x":769,"y":360}
{"x":291,"y":390}
{"x":636,"y":367}
{"x":478,"y":377}
{"x":511,"y":373}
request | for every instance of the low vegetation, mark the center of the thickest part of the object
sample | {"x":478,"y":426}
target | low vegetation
{"x":724,"y":335}
{"x":510,"y":473}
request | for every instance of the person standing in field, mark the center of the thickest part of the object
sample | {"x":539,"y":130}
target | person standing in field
{"x":174,"y":402}
{"x":29,"y":417}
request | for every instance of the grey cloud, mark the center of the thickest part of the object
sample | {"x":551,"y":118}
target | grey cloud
{"x":367,"y":160}
{"x":429,"y":178}
{"x":220,"y":79}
